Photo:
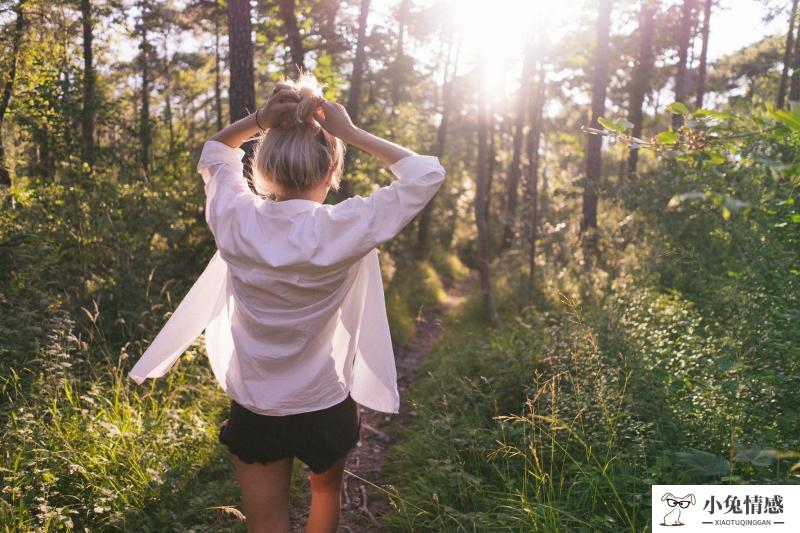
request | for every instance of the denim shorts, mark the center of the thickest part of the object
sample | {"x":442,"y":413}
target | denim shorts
{"x":318,"y":438}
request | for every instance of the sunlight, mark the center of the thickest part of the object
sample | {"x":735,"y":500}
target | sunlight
{"x":495,"y":32}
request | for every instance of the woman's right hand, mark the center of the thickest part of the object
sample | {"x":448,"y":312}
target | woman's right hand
{"x":334,"y":118}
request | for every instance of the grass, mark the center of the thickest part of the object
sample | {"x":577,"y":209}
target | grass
{"x":562,"y":417}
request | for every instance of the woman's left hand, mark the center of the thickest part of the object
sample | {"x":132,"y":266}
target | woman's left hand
{"x":280,"y":105}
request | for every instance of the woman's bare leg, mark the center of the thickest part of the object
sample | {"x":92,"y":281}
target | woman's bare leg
{"x":326,"y":504}
{"x":265,"y":494}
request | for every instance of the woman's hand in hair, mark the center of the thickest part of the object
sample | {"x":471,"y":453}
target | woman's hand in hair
{"x":280,"y":107}
{"x":334,"y":118}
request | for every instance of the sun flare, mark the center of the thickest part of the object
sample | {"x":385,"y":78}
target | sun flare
{"x":496,"y":31}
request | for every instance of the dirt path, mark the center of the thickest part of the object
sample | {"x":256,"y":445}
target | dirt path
{"x":362,"y":503}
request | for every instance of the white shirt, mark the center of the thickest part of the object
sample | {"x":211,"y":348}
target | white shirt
{"x":292,"y":302}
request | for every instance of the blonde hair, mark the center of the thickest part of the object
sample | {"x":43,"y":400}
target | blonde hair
{"x":298,"y":155}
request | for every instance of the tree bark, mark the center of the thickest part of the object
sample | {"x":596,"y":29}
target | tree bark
{"x":640,"y":83}
{"x":794,"y":86}
{"x":354,"y":95}
{"x":787,"y":57}
{"x":217,"y":71}
{"x":490,"y":167}
{"x":594,"y":143}
{"x":144,"y":96}
{"x":423,"y":232}
{"x":8,"y":88}
{"x":398,"y":69}
{"x":287,"y":10}
{"x":481,"y":199}
{"x":684,"y":39}
{"x":514,"y":167}
{"x":242,"y":95}
{"x":88,"y":111}
{"x":532,"y":145}
{"x":701,"y":71}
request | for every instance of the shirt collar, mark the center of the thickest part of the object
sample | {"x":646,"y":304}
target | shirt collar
{"x":295,"y":205}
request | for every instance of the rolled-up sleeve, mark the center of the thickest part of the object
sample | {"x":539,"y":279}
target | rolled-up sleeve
{"x":358,"y":224}
{"x":226,"y":187}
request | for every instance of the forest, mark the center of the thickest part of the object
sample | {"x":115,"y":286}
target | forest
{"x":604,"y":294}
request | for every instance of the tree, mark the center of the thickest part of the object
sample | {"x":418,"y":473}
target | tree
{"x":241,"y":94}
{"x":88,"y":111}
{"x":8,"y":87}
{"x":514,"y":166}
{"x":217,"y":70}
{"x":354,"y":95}
{"x":642,"y":72}
{"x":533,"y":142}
{"x":144,"y":94}
{"x":450,"y":69}
{"x":402,"y":63}
{"x":684,"y":40}
{"x":787,"y":57}
{"x":481,"y":221}
{"x":287,"y":10}
{"x":594,"y":143}
{"x":701,"y":70}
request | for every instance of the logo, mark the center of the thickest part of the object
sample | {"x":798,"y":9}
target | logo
{"x":675,"y":505}
{"x":717,"y":508}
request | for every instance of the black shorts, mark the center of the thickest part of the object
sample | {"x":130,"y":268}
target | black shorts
{"x":318,"y":438}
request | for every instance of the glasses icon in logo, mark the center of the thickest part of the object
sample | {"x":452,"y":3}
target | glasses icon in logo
{"x":675,"y":504}
{"x":683,"y":504}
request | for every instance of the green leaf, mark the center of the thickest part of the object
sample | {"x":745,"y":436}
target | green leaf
{"x":787,"y":118}
{"x":678,"y":108}
{"x":668,"y":137}
{"x":703,"y":463}
{"x":713,"y":114}
{"x":619,"y":127}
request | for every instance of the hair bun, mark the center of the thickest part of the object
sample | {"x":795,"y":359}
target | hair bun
{"x":310,"y":92}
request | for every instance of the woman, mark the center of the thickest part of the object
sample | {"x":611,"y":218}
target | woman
{"x":292,"y":303}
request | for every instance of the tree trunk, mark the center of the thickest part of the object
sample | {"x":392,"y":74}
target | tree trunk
{"x":492,"y":162}
{"x":354,"y":95}
{"x":8,"y":88}
{"x":701,"y":71}
{"x":330,"y":37}
{"x":88,"y":111}
{"x":481,"y":199}
{"x":217,"y":74}
{"x":787,"y":57}
{"x":168,"y":94}
{"x":144,"y":96}
{"x":242,"y":95}
{"x":514,"y":170}
{"x":423,"y":233}
{"x":287,"y":10}
{"x":640,"y":83}
{"x":594,"y":143}
{"x":684,"y":39}
{"x":794,"y":86}
{"x":533,"y":142}
{"x":398,"y":70}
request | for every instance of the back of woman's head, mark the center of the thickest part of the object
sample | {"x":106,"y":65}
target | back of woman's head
{"x":298,"y":155}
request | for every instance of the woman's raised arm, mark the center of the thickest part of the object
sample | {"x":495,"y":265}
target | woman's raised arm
{"x":281,"y":104}
{"x":334,"y":118}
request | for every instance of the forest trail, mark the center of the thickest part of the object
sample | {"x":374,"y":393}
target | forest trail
{"x":362,"y":503}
